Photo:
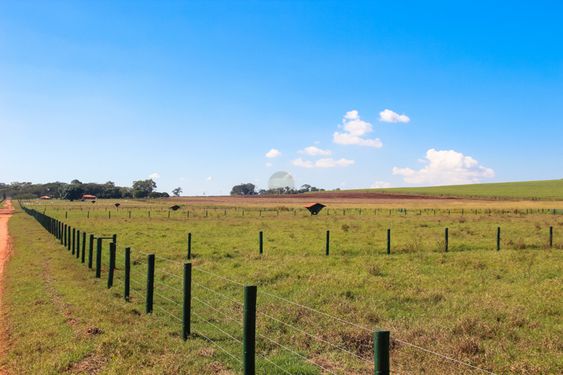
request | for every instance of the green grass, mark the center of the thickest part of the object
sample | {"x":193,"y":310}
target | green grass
{"x":59,"y":319}
{"x":536,"y":190}
{"x":497,"y":310}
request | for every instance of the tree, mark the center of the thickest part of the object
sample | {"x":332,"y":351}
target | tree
{"x":244,"y":189}
{"x":143,"y":188}
{"x":176,"y":192}
{"x":73,"y":192}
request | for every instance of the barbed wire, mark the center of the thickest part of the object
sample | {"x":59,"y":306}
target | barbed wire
{"x":313,"y":336}
{"x":218,"y":310}
{"x":217,"y":328}
{"x":219,"y":294}
{"x":218,"y":346}
{"x":294,"y":352}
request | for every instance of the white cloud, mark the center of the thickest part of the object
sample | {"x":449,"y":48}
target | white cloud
{"x":446,"y":167}
{"x":269,"y":164}
{"x":315,"y":151}
{"x":154,"y":176}
{"x":381,"y":185}
{"x":388,"y":115}
{"x":323,"y":163}
{"x":354,"y":131}
{"x":209,"y":178}
{"x":273,"y":153}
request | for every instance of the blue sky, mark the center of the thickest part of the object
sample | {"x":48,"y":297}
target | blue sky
{"x":199,"y":92}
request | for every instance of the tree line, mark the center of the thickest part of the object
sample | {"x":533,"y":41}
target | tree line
{"x":75,"y":189}
{"x":250,"y":189}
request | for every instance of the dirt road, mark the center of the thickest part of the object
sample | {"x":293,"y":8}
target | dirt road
{"x":5,"y":248}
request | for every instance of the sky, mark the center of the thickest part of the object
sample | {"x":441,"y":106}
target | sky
{"x":204,"y":95}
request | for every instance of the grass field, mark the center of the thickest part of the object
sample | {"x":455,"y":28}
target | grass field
{"x":500,"y":311}
{"x":535,"y":190}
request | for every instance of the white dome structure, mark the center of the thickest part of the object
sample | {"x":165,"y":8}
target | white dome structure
{"x":280,"y":180}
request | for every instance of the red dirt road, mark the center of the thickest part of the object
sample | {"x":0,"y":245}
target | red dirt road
{"x":5,"y":249}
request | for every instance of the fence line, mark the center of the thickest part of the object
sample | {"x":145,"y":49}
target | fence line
{"x":54,"y":227}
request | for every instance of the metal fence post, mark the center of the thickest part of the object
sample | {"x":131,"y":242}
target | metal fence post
{"x":446,"y":239}
{"x":127,"y":278}
{"x":187,"y":305}
{"x":90,"y":251}
{"x":77,"y":253}
{"x":551,"y":236}
{"x":388,"y":241}
{"x":249,"y":330}
{"x":83,"y":247}
{"x":327,"y":242}
{"x":150,"y":284}
{"x":111,"y":264}
{"x":261,"y":242}
{"x":498,"y":238}
{"x":189,"y":246}
{"x":99,"y":258}
{"x":68,"y":238}
{"x":73,"y":240}
{"x":381,"y":352}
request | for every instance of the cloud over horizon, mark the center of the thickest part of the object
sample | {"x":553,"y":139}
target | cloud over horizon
{"x":445,"y":167}
{"x":323,"y":163}
{"x":354,"y":131}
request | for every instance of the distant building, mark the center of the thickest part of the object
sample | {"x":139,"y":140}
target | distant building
{"x":44,"y":197}
{"x":88,"y":197}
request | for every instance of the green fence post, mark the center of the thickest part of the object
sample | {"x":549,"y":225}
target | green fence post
{"x":550,"y":236}
{"x":388,"y":241}
{"x":327,"y":242}
{"x":498,"y":238}
{"x":249,"y":330}
{"x":69,"y":230}
{"x":381,"y":352}
{"x":127,"y":278}
{"x":261,"y":242}
{"x":99,"y":258}
{"x":77,"y":253}
{"x":189,"y":246}
{"x":83,"y":247}
{"x":446,"y":240}
{"x":150,"y":284}
{"x":187,"y":305}
{"x":111,"y":264}
{"x":73,"y":240}
{"x":90,"y":251}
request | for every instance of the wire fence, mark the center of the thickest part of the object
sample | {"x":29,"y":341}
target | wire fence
{"x":287,"y":335}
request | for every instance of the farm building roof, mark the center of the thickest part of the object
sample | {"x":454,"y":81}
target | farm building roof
{"x":315,"y":208}
{"x":44,"y":197}
{"x":314,"y":204}
{"x":88,"y":196}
